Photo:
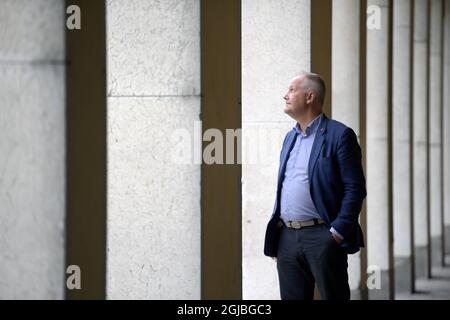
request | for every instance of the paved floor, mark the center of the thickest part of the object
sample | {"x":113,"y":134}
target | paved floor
{"x":436,"y":288}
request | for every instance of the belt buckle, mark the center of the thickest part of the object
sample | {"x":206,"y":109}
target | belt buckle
{"x":297,"y":224}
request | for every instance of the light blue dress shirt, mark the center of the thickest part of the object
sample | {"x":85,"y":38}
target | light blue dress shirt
{"x":296,"y":201}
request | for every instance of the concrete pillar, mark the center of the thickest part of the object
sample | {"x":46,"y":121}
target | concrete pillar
{"x":446,"y":125}
{"x":435,"y":133}
{"x":265,"y":25}
{"x":379,"y":213}
{"x":420,"y":139}
{"x":346,"y":91}
{"x":401,"y":146}
{"x":32,"y":149}
{"x":153,"y":72}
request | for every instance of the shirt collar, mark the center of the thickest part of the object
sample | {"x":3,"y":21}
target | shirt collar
{"x":311,"y":127}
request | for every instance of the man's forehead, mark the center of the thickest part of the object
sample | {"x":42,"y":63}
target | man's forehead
{"x":296,"y":80}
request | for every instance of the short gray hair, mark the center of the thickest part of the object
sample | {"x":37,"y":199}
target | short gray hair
{"x":315,"y":83}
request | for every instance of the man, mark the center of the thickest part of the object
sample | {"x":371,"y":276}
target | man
{"x":320,"y":191}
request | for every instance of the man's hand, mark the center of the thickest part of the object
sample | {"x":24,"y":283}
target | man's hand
{"x":336,"y":238}
{"x":274,"y":259}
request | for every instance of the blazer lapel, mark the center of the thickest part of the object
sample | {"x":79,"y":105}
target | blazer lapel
{"x":317,"y":145}
{"x":284,"y":156}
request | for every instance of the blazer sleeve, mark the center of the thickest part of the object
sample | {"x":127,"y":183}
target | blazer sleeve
{"x":349,"y":162}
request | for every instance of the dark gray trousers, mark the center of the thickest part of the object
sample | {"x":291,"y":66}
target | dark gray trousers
{"x":307,"y":256}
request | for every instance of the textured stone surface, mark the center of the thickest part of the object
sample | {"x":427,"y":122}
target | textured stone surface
{"x":259,"y":177}
{"x":32,"y":181}
{"x":420,"y":111}
{"x":446,"y":124}
{"x":403,"y":283}
{"x":153,"y":47}
{"x":377,"y":145}
{"x":345,"y":96}
{"x":437,"y":256}
{"x":401,"y":140}
{"x":435,"y":127}
{"x":32,"y":30}
{"x":275,"y":47}
{"x":153,"y":202}
{"x":32,"y":151}
{"x":421,"y":262}
{"x":447,"y":239}
{"x":383,"y":292}
{"x":345,"y":57}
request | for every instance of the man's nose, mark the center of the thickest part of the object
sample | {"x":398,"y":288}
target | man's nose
{"x":285,"y":97}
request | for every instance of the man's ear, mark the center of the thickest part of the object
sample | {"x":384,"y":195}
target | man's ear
{"x":310,"y":97}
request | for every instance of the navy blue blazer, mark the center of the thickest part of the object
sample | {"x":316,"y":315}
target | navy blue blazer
{"x":337,"y":183}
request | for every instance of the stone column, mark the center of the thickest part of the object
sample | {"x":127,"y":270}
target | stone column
{"x":346,"y":91}
{"x":379,"y":211}
{"x":153,"y":72}
{"x":435,"y":133}
{"x":269,"y":30}
{"x":32,"y":149}
{"x":446,"y":125}
{"x":401,"y":146}
{"x":420,"y":139}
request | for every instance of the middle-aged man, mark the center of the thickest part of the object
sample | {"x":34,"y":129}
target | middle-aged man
{"x":320,"y":191}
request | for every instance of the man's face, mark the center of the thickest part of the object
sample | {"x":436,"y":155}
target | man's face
{"x":296,"y":98}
